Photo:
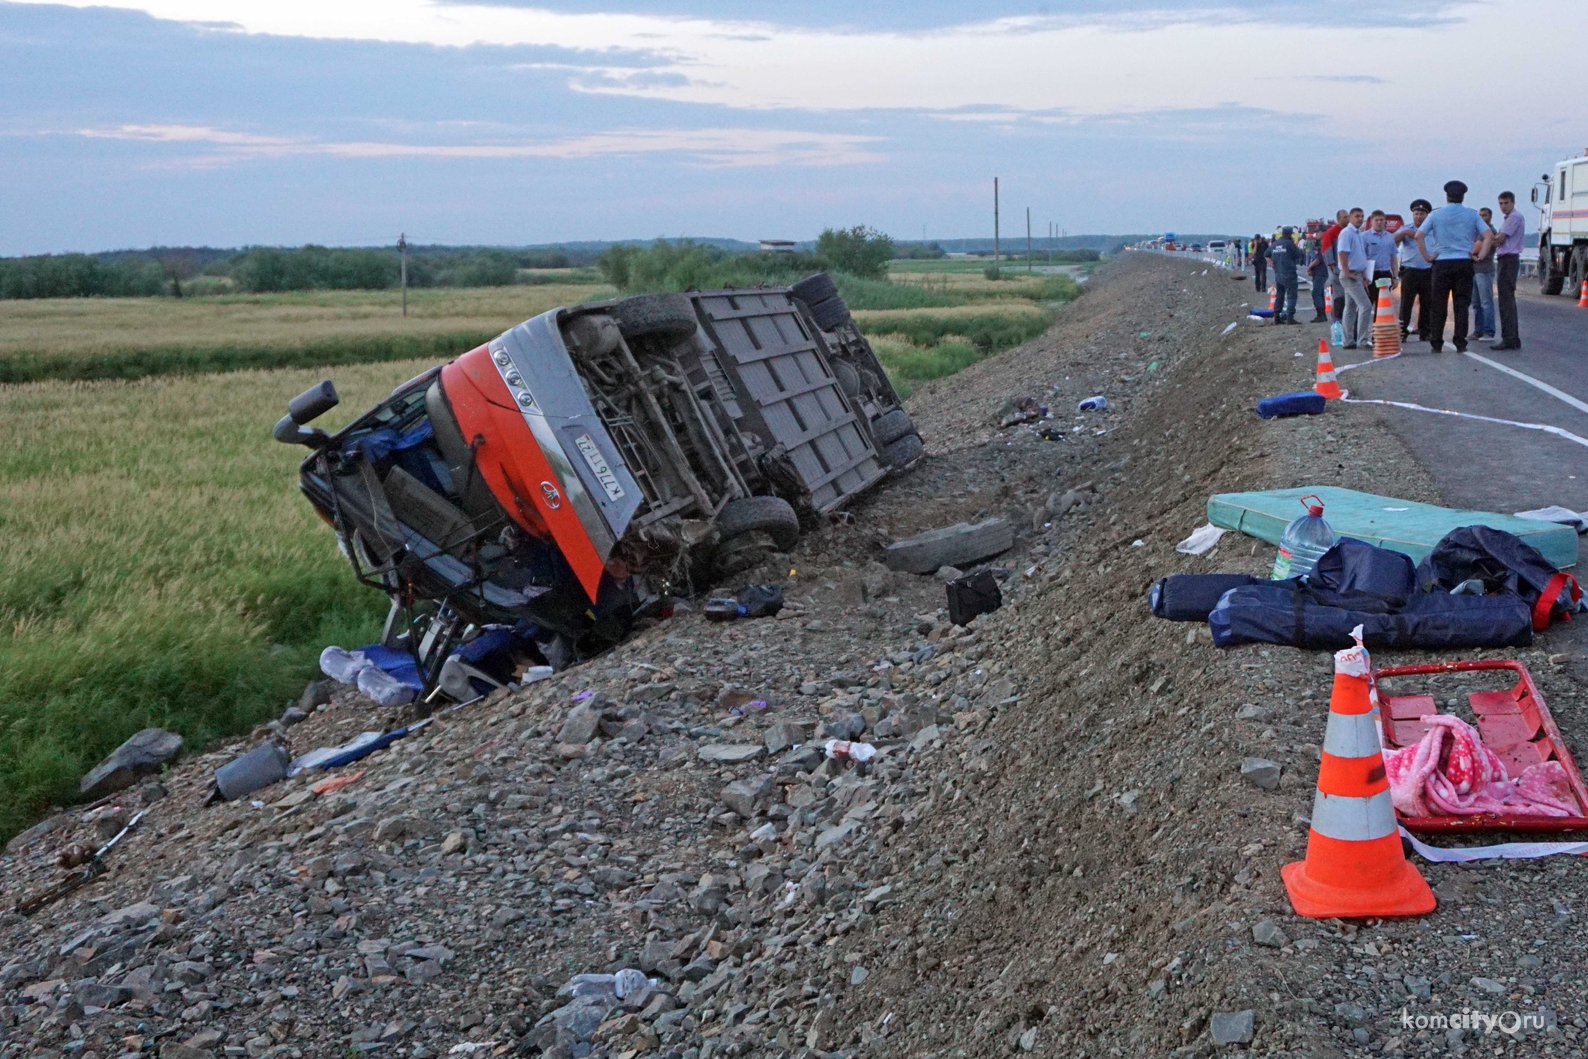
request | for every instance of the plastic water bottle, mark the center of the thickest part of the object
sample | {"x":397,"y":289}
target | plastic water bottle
{"x":1304,"y":542}
{"x":1336,"y":335}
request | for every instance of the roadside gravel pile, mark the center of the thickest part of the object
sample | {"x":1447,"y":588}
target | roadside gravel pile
{"x":1053,"y":850}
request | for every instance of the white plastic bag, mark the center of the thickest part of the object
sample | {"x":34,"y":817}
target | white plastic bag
{"x":384,"y":688}
{"x":342,"y":666}
{"x":845,"y":750}
{"x":1202,"y":539}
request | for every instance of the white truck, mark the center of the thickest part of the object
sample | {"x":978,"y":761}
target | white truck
{"x":1562,"y":201}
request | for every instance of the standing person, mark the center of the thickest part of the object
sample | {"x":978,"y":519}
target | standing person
{"x":1507,"y":259}
{"x":1331,"y":235}
{"x":1318,"y":273}
{"x":1260,"y":262}
{"x":1483,"y":321}
{"x":1286,"y":256}
{"x":1353,"y":261}
{"x":1380,"y":247}
{"x":1416,"y":275}
{"x":1457,"y":235}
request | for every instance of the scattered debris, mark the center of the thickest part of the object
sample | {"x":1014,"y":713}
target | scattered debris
{"x":1201,"y":541}
{"x":1577,"y":520}
{"x":260,"y":767}
{"x":1303,"y":403}
{"x":1511,"y":771}
{"x":1093,"y":404}
{"x":752,"y":601}
{"x":95,"y":867}
{"x":1019,"y":410}
{"x":971,"y":597}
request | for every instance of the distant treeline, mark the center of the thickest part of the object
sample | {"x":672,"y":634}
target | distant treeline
{"x":257,"y":269}
{"x":665,"y":264}
{"x":680,"y":265}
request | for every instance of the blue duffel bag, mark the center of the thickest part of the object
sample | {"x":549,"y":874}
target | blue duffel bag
{"x":1289,"y":613}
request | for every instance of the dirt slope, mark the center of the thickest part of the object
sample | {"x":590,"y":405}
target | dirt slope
{"x":1053,"y":852}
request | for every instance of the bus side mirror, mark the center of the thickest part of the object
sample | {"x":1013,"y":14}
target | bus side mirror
{"x":1535,"y":196}
{"x":305,"y":408}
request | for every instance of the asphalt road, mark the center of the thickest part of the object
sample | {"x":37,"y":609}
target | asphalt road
{"x":1490,"y":466}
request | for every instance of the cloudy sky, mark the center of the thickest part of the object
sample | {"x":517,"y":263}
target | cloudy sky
{"x":225,"y":122}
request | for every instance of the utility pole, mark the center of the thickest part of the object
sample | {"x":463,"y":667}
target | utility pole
{"x":995,"y":226}
{"x":1028,"y":238}
{"x":402,"y":251}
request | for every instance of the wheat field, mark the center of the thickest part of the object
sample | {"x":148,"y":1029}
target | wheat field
{"x":161,"y":567}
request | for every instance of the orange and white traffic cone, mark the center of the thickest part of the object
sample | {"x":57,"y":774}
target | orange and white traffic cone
{"x":1354,"y":864}
{"x":1326,"y":383}
{"x":1386,"y":330}
{"x":1582,"y":300}
{"x":1328,"y":300}
{"x":1273,"y":299}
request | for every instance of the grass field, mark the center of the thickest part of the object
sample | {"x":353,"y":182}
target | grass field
{"x":109,"y":338}
{"x":929,"y":322}
{"x":160,"y":566}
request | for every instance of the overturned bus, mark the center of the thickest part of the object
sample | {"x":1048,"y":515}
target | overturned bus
{"x":566,"y":477}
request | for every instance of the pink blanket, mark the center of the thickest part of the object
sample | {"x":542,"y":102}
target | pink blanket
{"x":1449,"y":772}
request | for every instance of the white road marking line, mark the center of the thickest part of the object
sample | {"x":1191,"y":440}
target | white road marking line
{"x":1581,"y":406}
{"x":1545,"y":427}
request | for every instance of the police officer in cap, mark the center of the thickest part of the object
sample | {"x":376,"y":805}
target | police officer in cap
{"x":1450,"y":239}
{"x":1416,"y":274}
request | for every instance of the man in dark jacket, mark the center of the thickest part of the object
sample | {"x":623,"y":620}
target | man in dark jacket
{"x":1260,"y":263}
{"x":1318,"y":272}
{"x":1287,"y":258}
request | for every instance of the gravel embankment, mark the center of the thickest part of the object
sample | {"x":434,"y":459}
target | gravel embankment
{"x":1053,"y":852}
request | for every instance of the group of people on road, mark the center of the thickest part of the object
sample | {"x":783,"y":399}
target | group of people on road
{"x":1452,"y":257}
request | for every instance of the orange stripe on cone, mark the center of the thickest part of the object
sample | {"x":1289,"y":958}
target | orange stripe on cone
{"x":1352,"y":777}
{"x":1326,"y":383}
{"x":1368,"y":878}
{"x":1582,"y":300}
{"x":1354,"y":864}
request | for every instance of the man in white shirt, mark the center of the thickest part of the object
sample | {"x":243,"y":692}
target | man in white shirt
{"x":1357,"y":322}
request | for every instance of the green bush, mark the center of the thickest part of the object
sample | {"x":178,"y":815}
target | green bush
{"x":989,"y":332}
{"x":861,"y":294}
{"x":859,"y":251}
{"x":908,"y":364}
{"x":315,"y":268}
{"x":196,"y":360}
{"x":685,"y":265}
{"x":918,"y":252}
{"x":78,"y":276}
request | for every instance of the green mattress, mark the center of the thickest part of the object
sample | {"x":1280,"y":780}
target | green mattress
{"x":1402,"y":525}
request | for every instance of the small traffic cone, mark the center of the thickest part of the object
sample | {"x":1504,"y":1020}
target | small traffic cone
{"x":1328,"y":299}
{"x":1582,"y":300}
{"x":1386,"y":330}
{"x":1354,"y":864}
{"x":1326,"y":383}
{"x":1273,"y":298}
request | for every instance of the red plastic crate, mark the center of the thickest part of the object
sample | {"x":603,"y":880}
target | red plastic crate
{"x":1514,"y":723}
